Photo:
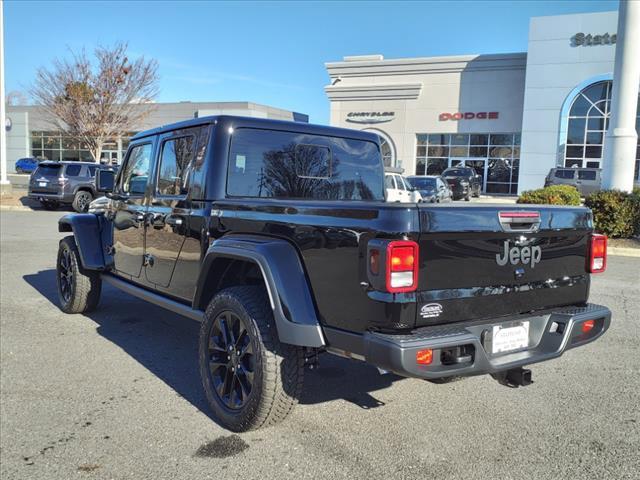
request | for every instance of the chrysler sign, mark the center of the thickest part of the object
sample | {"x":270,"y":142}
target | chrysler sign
{"x":370,"y":117}
{"x":443,"y":117}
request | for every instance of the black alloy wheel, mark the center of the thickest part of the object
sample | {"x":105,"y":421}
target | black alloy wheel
{"x":65,"y":275}
{"x":231,"y":360}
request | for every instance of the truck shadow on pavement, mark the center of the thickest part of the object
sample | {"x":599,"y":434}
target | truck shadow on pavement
{"x":166,"y":344}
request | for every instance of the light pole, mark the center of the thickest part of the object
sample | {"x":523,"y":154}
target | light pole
{"x":4,"y":183}
{"x":622,"y":138}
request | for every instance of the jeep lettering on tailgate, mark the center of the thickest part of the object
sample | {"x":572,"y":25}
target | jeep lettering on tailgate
{"x":515,"y":255}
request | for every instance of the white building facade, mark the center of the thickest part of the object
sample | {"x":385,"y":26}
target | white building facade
{"x":511,"y":117}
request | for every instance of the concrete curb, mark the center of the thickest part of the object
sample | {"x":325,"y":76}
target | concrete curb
{"x":623,"y":252}
{"x":15,"y":208}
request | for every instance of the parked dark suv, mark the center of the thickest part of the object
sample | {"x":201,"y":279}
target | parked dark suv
{"x":464,"y":182}
{"x":55,"y":183}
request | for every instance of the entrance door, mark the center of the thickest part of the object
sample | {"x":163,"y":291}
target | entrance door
{"x":169,"y":211}
{"x":130,"y":205}
{"x":479,"y":165}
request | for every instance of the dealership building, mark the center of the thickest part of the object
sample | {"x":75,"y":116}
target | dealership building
{"x":30,"y":132}
{"x":511,"y":117}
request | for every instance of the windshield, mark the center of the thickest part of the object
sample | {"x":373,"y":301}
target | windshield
{"x":48,"y":170}
{"x":456,"y":172}
{"x":424,"y":183}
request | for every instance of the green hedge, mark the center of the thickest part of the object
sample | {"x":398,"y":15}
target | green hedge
{"x":553,"y":195}
{"x":615,"y":213}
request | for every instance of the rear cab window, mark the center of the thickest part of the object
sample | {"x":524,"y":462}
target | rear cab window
{"x":175,"y":161}
{"x":279,"y":164}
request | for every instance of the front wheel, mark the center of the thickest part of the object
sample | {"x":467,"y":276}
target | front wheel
{"x":78,"y":290}
{"x":251,"y":380}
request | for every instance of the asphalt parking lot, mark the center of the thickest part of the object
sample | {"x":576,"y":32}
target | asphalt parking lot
{"x":116,"y":394}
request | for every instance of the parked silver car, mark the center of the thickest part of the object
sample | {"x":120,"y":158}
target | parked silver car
{"x":586,"y":180}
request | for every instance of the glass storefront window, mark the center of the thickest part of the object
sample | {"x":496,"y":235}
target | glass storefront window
{"x":55,"y":146}
{"x":494,"y":156}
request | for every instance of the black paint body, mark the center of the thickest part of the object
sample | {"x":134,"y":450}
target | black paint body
{"x":457,"y":257}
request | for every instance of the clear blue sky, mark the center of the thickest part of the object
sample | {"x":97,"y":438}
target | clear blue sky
{"x":265,"y":52}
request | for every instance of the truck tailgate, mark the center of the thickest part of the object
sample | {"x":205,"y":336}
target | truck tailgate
{"x":476,"y":262}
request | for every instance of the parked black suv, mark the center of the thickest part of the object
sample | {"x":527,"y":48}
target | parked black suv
{"x":464,"y":182}
{"x":276,"y":236}
{"x":55,"y":183}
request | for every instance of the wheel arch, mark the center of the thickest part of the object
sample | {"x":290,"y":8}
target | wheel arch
{"x":88,"y":231}
{"x":273,"y":262}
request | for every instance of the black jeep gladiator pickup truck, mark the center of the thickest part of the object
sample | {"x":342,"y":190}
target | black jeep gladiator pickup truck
{"x":275,"y":235}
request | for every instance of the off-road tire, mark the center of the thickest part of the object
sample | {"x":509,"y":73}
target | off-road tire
{"x":49,"y":204}
{"x":278,"y":368}
{"x":83,"y":292}
{"x":81,"y":201}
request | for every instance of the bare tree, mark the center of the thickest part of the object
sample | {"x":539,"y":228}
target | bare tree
{"x":94,"y":103}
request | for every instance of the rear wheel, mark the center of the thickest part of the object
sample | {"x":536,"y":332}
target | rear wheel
{"x":81,"y":201}
{"x":78,"y":290}
{"x":251,"y":380}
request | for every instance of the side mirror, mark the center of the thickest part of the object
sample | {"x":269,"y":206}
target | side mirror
{"x":105,"y":180}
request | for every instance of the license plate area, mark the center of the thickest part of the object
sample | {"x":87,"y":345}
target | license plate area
{"x":42,"y":184}
{"x":507,"y":338}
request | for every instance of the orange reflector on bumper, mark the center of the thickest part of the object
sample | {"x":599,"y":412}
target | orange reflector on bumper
{"x":424,"y":357}
{"x":588,"y":326}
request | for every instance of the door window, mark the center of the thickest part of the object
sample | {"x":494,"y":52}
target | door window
{"x":388,"y":181}
{"x":135,"y":174}
{"x":173,"y":175}
{"x":587,"y":175}
{"x":400,"y":182}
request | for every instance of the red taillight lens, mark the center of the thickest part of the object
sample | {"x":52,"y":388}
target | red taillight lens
{"x":424,"y":357}
{"x":588,"y":326}
{"x":598,"y":253}
{"x":402,"y":266}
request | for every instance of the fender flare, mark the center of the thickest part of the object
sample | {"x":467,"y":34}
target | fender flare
{"x":88,"y":231}
{"x":285,"y":280}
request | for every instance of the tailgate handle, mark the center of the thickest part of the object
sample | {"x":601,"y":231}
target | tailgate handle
{"x":519,"y":221}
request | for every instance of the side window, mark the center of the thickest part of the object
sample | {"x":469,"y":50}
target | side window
{"x":587,"y":175}
{"x":564,"y":174}
{"x":400,"y":182}
{"x":388,"y":181}
{"x":92,"y":170}
{"x":175,"y":159}
{"x":282,"y":164}
{"x":135,"y":173}
{"x":73,"y":170}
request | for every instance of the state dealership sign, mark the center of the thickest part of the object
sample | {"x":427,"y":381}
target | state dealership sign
{"x":443,"y":117}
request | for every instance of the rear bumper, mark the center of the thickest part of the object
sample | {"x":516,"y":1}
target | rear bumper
{"x":550,"y":335}
{"x":58,"y":197}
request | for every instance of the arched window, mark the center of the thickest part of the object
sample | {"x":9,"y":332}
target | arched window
{"x":387,"y":152}
{"x":587,"y":126}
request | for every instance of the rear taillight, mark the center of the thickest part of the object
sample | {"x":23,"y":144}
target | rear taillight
{"x":402,"y":266}
{"x":598,"y":253}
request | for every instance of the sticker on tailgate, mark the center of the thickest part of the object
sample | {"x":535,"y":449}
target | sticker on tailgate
{"x":431,"y":310}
